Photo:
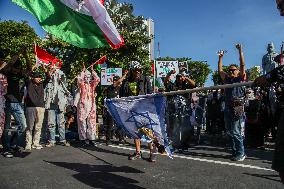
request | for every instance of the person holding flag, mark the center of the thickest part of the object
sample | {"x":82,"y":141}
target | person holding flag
{"x":86,"y":105}
{"x":137,"y":84}
{"x":56,"y":97}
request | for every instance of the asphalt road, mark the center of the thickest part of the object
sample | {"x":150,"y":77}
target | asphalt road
{"x":109,"y":167}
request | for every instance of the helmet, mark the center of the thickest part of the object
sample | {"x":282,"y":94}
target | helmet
{"x":134,"y":65}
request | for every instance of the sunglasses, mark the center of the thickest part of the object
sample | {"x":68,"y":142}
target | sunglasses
{"x":232,"y":70}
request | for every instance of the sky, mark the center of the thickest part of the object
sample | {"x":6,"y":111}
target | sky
{"x":198,"y":29}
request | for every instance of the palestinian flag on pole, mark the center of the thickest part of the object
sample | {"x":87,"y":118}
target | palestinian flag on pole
{"x":43,"y":57}
{"x":85,"y":25}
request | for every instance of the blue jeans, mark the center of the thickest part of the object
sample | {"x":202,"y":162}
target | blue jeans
{"x":235,"y":130}
{"x":17,"y":110}
{"x":56,"y":117}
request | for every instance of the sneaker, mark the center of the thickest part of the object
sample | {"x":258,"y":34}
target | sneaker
{"x":37,"y":146}
{"x":65,"y":143}
{"x":51,"y":144}
{"x":28,"y":148}
{"x":135,"y":156}
{"x":153,"y":158}
{"x":122,"y":143}
{"x":8,"y":155}
{"x":239,"y":158}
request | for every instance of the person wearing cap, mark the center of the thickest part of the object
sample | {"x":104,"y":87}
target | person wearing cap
{"x":35,"y":108}
{"x":137,"y":84}
{"x":234,"y":104}
{"x":13,"y":105}
{"x":112,"y":91}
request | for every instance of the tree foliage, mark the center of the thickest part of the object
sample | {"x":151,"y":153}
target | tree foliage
{"x":199,"y":72}
{"x":253,"y":73}
{"x":16,"y":35}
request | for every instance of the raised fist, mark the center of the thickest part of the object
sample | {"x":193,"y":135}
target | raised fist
{"x":238,"y":46}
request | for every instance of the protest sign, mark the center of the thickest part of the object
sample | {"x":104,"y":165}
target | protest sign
{"x":107,"y":75}
{"x":164,"y":67}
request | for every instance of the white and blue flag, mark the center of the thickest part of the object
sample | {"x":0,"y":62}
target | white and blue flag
{"x":141,"y":118}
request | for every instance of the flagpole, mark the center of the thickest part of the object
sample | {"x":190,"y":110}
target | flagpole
{"x":88,"y":67}
{"x":181,"y":92}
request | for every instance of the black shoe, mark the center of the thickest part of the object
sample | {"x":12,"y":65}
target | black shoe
{"x":281,"y":175}
{"x":108,"y":143}
{"x":92,"y":143}
{"x":153,"y":158}
{"x":135,"y":156}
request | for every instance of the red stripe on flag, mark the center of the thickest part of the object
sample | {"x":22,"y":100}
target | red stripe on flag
{"x":113,"y":45}
{"x":47,"y":58}
{"x":101,"y":60}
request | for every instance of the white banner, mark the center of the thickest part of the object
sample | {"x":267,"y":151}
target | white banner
{"x":108,"y":73}
{"x":164,"y":67}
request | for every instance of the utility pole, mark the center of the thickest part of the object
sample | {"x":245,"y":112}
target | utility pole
{"x":159,"y":52}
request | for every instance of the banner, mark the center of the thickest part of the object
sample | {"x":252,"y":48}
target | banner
{"x":108,"y":73}
{"x":164,"y":67}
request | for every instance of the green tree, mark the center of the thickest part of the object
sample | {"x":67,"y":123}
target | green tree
{"x":253,"y":73}
{"x":199,"y":72}
{"x":16,"y":35}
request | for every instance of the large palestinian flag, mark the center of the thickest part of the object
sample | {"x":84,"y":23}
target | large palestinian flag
{"x":85,"y":25}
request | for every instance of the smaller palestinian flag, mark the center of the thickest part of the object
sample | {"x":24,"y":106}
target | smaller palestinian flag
{"x":101,"y":60}
{"x":43,"y":57}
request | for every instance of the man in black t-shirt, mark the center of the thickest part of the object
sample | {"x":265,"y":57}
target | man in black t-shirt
{"x":112,"y":91}
{"x":13,"y":106}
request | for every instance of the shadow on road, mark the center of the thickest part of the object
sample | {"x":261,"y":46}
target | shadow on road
{"x":268,"y":177}
{"x":97,"y":149}
{"x":101,"y":176}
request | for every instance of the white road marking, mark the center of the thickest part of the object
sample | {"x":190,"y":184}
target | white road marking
{"x":202,"y":160}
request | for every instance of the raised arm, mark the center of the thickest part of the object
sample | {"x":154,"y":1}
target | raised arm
{"x":167,"y":78}
{"x":96,"y":79}
{"x":190,"y":82}
{"x":242,"y":61}
{"x":220,"y":65}
{"x":121,"y":79}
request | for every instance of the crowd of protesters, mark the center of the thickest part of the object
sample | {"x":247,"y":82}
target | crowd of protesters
{"x":41,"y":105}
